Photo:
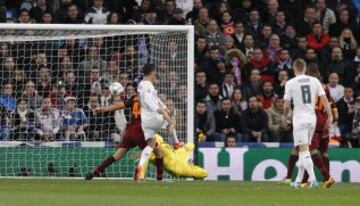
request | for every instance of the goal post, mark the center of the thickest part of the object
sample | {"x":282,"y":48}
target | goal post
{"x":61,"y":63}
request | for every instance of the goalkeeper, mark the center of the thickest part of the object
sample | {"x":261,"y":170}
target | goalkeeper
{"x":176,"y":161}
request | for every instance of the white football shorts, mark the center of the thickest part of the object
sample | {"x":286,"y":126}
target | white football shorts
{"x":303,"y":133}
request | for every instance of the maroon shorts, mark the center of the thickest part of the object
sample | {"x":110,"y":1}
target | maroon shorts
{"x":133,"y":136}
{"x":315,"y":141}
{"x":324,"y":145}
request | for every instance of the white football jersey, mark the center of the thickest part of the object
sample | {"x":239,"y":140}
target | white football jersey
{"x":148,"y":96}
{"x":303,"y":90}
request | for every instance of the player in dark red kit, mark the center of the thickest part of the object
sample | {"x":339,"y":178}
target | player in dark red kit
{"x":133,"y":136}
{"x":320,"y":138}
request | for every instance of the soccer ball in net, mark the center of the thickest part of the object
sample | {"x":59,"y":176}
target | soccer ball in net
{"x":116,"y":88}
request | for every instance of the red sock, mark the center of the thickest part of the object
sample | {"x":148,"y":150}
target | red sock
{"x":305,"y":177}
{"x":291,"y":165}
{"x":105,"y":164}
{"x":159,"y":162}
{"x":321,"y":166}
{"x":325,"y":159}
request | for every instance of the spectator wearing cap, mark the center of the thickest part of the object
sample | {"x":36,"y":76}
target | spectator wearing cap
{"x":220,"y":70}
{"x":74,"y":120}
{"x":317,"y":39}
{"x":214,"y":37}
{"x":229,"y":43}
{"x":288,"y":40}
{"x":177,"y":18}
{"x":47,"y":121}
{"x":279,"y":126}
{"x":32,"y":96}
{"x":325,"y":15}
{"x":254,"y":122}
{"x":97,"y":14}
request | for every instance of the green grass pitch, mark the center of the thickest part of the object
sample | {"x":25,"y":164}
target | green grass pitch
{"x":34,"y":192}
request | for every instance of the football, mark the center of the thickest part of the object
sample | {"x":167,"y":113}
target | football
{"x":116,"y":88}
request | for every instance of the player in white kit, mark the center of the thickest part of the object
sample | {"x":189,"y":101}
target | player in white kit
{"x":303,"y":90}
{"x":154,"y":116}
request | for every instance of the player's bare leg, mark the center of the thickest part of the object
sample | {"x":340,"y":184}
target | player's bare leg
{"x":177,"y":143}
{"x":107,"y":162}
{"x":145,"y":155}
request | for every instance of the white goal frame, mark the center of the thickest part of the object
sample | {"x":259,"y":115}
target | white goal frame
{"x":189,"y":29}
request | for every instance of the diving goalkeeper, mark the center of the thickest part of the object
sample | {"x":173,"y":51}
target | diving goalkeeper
{"x":176,"y":161}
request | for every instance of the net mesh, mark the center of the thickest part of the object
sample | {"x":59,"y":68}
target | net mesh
{"x":43,"y":133}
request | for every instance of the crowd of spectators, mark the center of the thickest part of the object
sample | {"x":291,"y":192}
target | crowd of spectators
{"x":244,"y":51}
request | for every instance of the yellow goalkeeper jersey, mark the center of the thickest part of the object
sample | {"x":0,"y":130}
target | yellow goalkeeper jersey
{"x":177,"y":163}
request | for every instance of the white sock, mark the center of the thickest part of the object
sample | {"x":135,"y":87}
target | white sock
{"x":301,"y":171}
{"x":308,"y":164}
{"x":174,"y":137}
{"x":145,"y":154}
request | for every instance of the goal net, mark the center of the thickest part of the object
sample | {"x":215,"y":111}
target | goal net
{"x":52,"y":78}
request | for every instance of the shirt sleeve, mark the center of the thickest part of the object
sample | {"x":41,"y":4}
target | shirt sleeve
{"x":320,"y":91}
{"x":287,"y":95}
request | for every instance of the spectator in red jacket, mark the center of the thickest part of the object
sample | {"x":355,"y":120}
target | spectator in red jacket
{"x":317,"y":39}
